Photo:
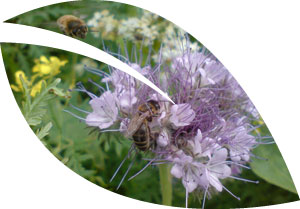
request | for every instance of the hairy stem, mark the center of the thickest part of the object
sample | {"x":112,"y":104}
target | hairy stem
{"x":165,"y":183}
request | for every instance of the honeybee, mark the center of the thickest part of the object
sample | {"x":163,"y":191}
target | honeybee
{"x":139,"y":129}
{"x":72,"y":26}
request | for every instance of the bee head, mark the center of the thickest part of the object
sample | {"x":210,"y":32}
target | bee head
{"x":80,"y":31}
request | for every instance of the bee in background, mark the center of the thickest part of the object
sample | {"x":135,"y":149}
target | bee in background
{"x":72,"y":26}
{"x":138,"y":128}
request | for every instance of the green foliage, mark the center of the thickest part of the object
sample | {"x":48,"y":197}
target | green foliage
{"x":252,"y":195}
{"x":34,"y":109}
{"x":270,"y":165}
{"x":70,"y":142}
{"x":273,"y":169}
{"x":166,"y":185}
{"x":44,"y":131}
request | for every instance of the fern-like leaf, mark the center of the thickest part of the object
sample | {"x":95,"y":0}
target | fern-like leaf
{"x":34,"y":110}
{"x":44,"y":131}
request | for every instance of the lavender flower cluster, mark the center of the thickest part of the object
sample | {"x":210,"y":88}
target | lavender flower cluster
{"x":206,"y":135}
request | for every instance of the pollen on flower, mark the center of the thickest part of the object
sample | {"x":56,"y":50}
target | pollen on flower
{"x":206,"y":136}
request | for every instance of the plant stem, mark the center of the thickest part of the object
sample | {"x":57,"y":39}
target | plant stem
{"x":165,"y":183}
{"x":73,"y":73}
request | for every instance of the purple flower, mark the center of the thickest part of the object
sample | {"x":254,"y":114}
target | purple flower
{"x":126,"y":100}
{"x":181,"y":115}
{"x":195,"y":171}
{"x":241,"y":144}
{"x":163,"y":139}
{"x":213,"y":72}
{"x":203,"y":147}
{"x":237,"y":140}
{"x":215,"y":169}
{"x":124,"y":125}
{"x":205,"y":135}
{"x":105,"y":111}
{"x":186,"y":169}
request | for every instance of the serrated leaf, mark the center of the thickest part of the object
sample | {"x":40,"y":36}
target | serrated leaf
{"x":274,"y":169}
{"x":27,"y":102}
{"x":44,"y":131}
{"x":34,"y":121}
{"x":35,"y":110}
{"x":60,"y":92}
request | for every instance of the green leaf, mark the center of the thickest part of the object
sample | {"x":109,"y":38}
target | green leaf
{"x":273,"y":169}
{"x":35,"y":110}
{"x":60,"y":92}
{"x":27,"y":102}
{"x":44,"y":131}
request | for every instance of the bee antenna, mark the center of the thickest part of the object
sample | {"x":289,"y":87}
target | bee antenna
{"x":127,"y":156}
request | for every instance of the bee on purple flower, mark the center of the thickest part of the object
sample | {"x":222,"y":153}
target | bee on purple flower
{"x":206,"y":136}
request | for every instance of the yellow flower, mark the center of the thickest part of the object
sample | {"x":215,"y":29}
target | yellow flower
{"x":36,"y":88}
{"x":19,"y":87}
{"x":44,"y":66}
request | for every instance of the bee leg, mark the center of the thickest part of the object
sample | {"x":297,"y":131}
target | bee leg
{"x":126,"y":157}
{"x":128,"y":169}
{"x":72,"y":34}
{"x":63,"y":30}
{"x":154,"y":136}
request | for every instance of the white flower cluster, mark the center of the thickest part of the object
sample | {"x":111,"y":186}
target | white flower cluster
{"x":173,"y":44}
{"x":147,"y":28}
{"x":105,"y":23}
{"x":140,"y":28}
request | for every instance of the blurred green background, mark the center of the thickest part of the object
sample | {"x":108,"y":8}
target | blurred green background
{"x":96,"y":157}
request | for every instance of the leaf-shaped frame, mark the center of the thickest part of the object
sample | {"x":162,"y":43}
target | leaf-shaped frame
{"x":124,"y":10}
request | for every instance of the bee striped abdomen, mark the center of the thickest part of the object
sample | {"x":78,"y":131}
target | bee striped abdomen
{"x":141,"y":138}
{"x":138,"y":128}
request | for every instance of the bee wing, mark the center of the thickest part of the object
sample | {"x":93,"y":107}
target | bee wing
{"x":135,"y":124}
{"x":48,"y":25}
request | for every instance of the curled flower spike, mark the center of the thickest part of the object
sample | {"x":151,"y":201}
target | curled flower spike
{"x":205,"y":137}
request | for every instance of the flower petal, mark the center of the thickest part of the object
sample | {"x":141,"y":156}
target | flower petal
{"x":219,"y":156}
{"x":177,"y":171}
